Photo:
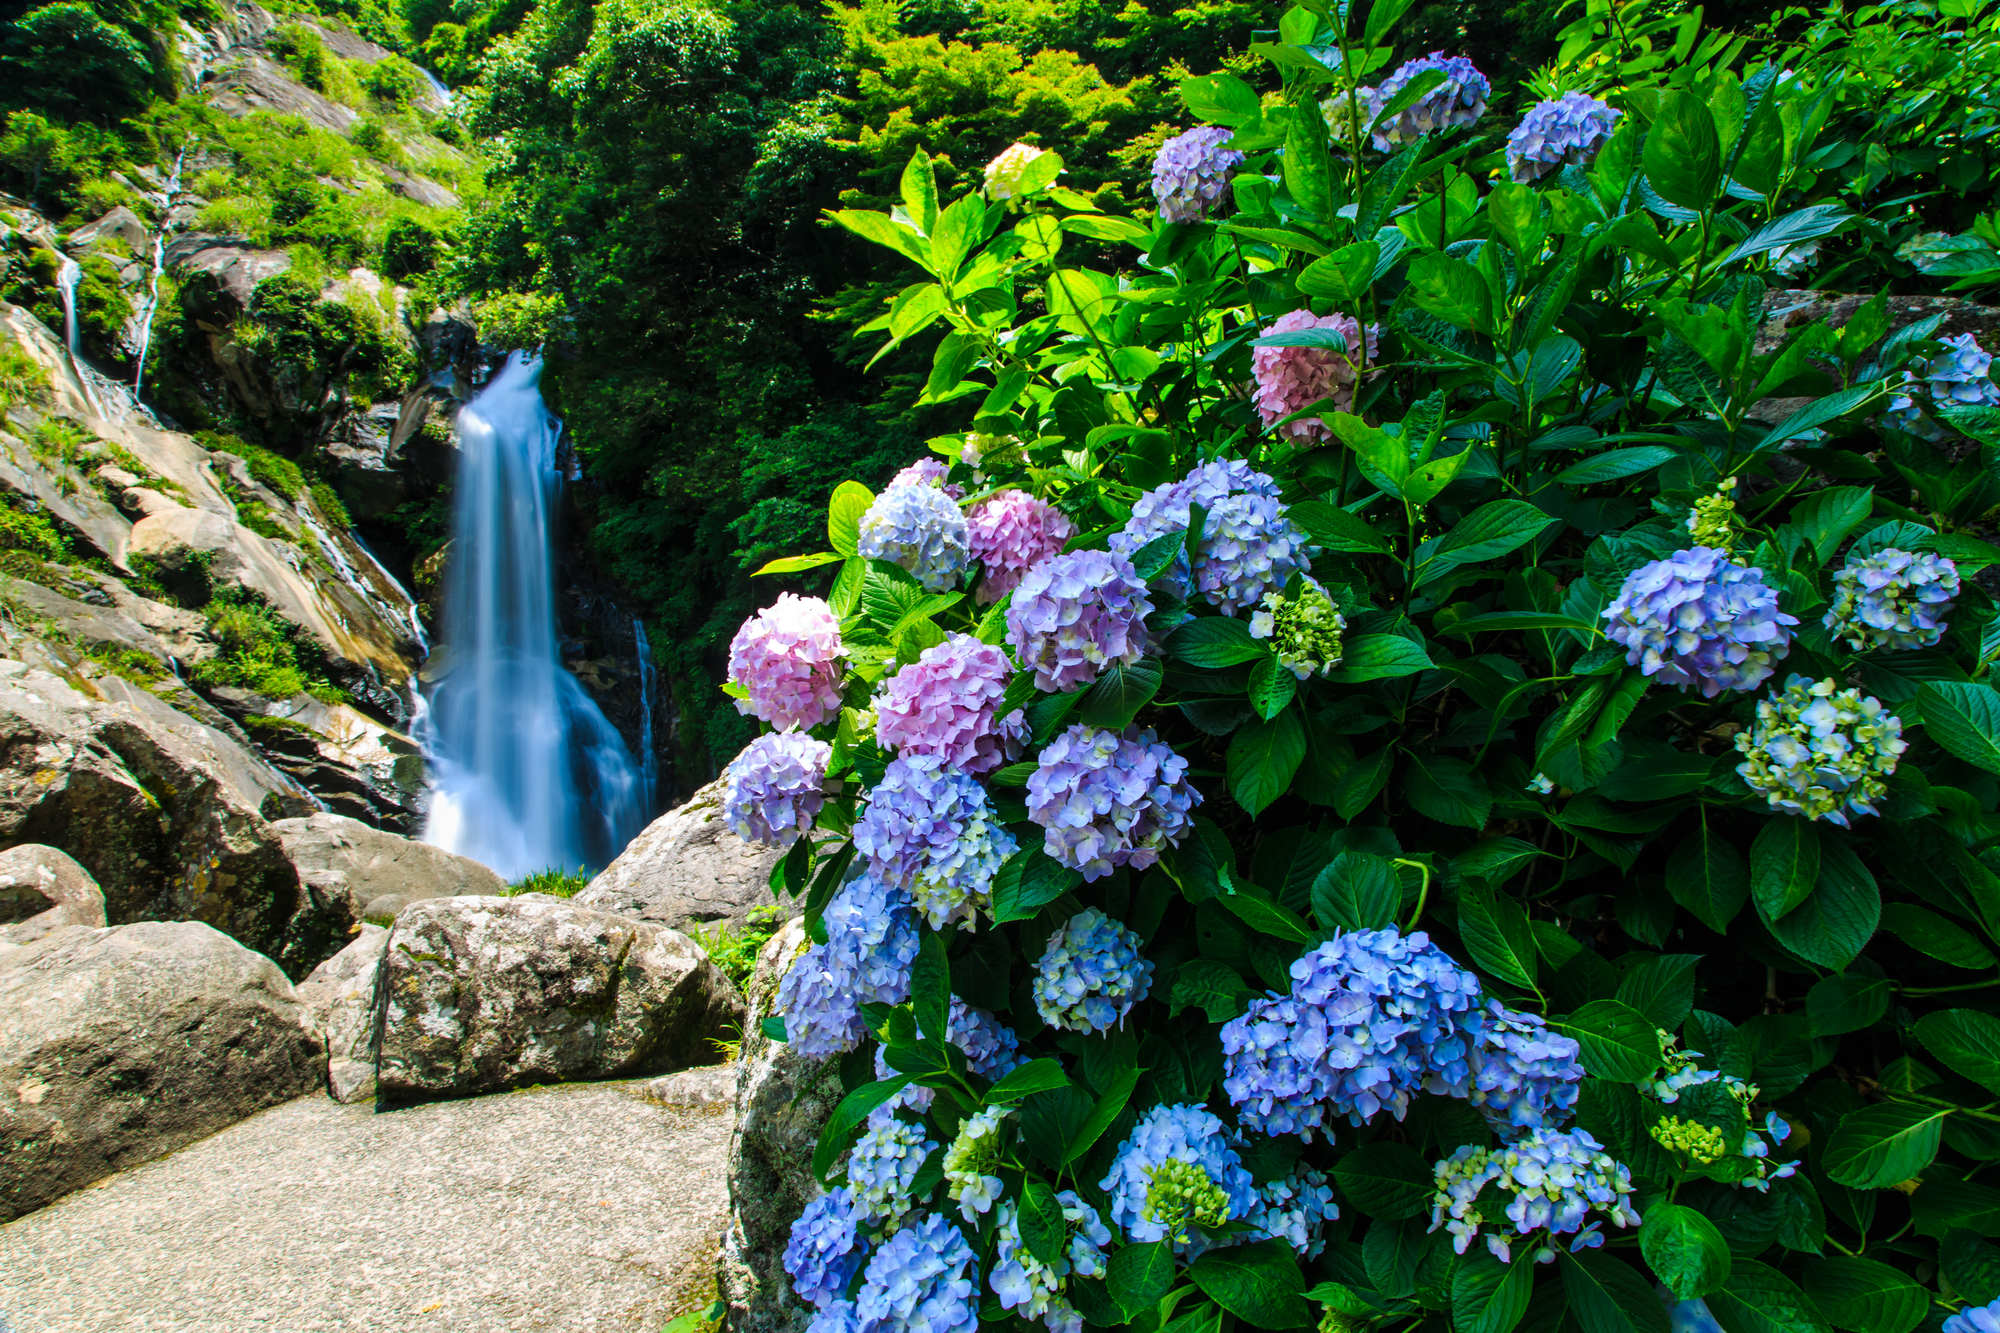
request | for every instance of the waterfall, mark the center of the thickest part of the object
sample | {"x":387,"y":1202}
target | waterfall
{"x":527,"y":773}
{"x":159,"y":267}
{"x":67,"y":277}
{"x":649,"y":762}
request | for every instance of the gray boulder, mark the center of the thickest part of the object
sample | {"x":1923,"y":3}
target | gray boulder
{"x":485,"y":994}
{"x":783,"y":1100}
{"x":351,"y":865}
{"x":687,"y":866}
{"x":42,"y":890}
{"x":119,"y":1045}
{"x":339,"y":1000}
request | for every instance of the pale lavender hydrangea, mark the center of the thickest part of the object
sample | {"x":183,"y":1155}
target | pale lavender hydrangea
{"x":1975,"y":1319}
{"x":1821,"y":752}
{"x":1696,"y":618}
{"x":1191,"y":172}
{"x":1523,"y":1076}
{"x":1568,"y":131}
{"x":919,"y":528}
{"x":1294,"y":1210}
{"x":839,"y":1317}
{"x":1248,"y":544}
{"x":1290,"y":379}
{"x":921,"y":1280}
{"x":1106,"y":799}
{"x":1177,"y":1176}
{"x":824,"y":1254}
{"x":1373,"y":1016}
{"x":991,"y":1050}
{"x":1033,"y":1289}
{"x":943,"y":704}
{"x":882,"y":1167}
{"x":1010,"y":532}
{"x":1958,"y":377}
{"x":1459,"y":100}
{"x":772,"y":789}
{"x":1550,"y":1179}
{"x":786,"y":658}
{"x":932,"y":831}
{"x":1169,"y":508}
{"x":871,"y":940}
{"x":928,"y":471}
{"x":1892,"y":599}
{"x":1073,"y":615}
{"x":1092,"y":973}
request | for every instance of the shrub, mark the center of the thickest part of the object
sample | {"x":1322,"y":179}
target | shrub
{"x":260,"y":651}
{"x":408,"y":248}
{"x":393,"y":81}
{"x":26,"y":527}
{"x":1538,"y":849}
{"x":555,"y":881}
{"x":281,"y":474}
{"x":330,"y":504}
{"x":734,"y":947}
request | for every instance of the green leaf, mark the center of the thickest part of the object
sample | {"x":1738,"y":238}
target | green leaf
{"x":1497,"y":934}
{"x":1260,"y":1284}
{"x":1307,"y":170}
{"x":1967,"y":1041}
{"x":1618,"y":1042}
{"x":1373,"y":657}
{"x":773,"y":1027}
{"x":1501,"y":621}
{"x":1153,"y":559}
{"x":1661,"y":988}
{"x":1614,"y":464}
{"x":1827,"y":516}
{"x":1818,"y":413}
{"x":1491,"y":531}
{"x":843,"y":515}
{"x":1784,"y":865}
{"x":1221,"y":98}
{"x":1965,"y":719}
{"x":1839,"y":1005}
{"x":1043,"y":1075}
{"x":1363,"y":782}
{"x":1118,"y":695}
{"x":1334,"y":529}
{"x":1212,"y":987}
{"x":1108,"y":1109}
{"x":1684,"y":1250}
{"x":1971,"y":1265}
{"x":1028,"y":881}
{"x":1607,"y":1295}
{"x":843,"y":1127}
{"x":1805,"y":224}
{"x":1139,"y":1274}
{"x":882,"y":230}
{"x":1448,"y":790}
{"x":1708,"y":877}
{"x":1884,"y":1145}
{"x":1387,"y":1180}
{"x":1214,"y":641}
{"x":793,"y":564}
{"x":1452,"y":290}
{"x":1345,"y":276}
{"x":930,"y":987}
{"x":1043,"y":1229}
{"x":1357,"y":891}
{"x":1760,"y":1299}
{"x":919,"y":188}
{"x":1832,"y":927}
{"x":1683,"y":153}
{"x":1942,"y":939}
{"x":1382,"y":19}
{"x":1866,"y":1296}
{"x":1252,"y":906}
{"x":1488,"y":1296}
{"x":1263,"y":756}
{"x":1272,"y":687}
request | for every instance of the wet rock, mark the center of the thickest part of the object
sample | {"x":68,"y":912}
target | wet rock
{"x":351,"y":865}
{"x":41,"y":890}
{"x":484,"y":994}
{"x":340,"y":1010}
{"x":119,"y":1045}
{"x":783,"y":1101}
{"x":687,"y":866}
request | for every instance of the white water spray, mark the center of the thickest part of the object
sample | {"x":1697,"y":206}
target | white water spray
{"x":68,"y":275}
{"x":159,"y":267}
{"x":527,"y":772}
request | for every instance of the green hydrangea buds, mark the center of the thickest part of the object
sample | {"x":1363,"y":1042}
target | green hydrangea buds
{"x":1179,"y":1193}
{"x":1699,"y":1142}
{"x":1713,"y":522}
{"x":1304,"y":631}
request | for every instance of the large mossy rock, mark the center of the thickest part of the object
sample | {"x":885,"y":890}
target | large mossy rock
{"x":687,"y":866}
{"x":121,"y":1044}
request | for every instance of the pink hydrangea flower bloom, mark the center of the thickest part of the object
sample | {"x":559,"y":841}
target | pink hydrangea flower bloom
{"x":1290,"y":378}
{"x":787,"y":657}
{"x":943,"y":704}
{"x":1010,"y":533}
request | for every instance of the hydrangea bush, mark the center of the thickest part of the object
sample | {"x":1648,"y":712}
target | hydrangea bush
{"x":1411,"y":759}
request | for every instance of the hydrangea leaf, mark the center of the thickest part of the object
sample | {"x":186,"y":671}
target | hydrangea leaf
{"x":1784,"y":865}
{"x":1965,"y":719}
{"x":1386,"y":1180}
{"x":1884,"y":1145}
{"x":1942,"y":939}
{"x":1684,"y":1250}
{"x":1866,"y":1296}
{"x":1263,"y":756}
{"x":1967,"y":1041}
{"x":1488,"y":1296}
{"x":1139,"y":1275}
{"x":1834,"y":925}
{"x":1260,"y":1284}
{"x":1708,"y":877}
{"x":1213,"y":987}
{"x":1043,"y":1075}
{"x":1618,"y":1041}
{"x":1760,"y":1299}
{"x":1971,"y":1265}
{"x":1839,"y":1005}
{"x":843,"y":515}
{"x":1607,"y":1295}
{"x":1357,"y":891}
{"x":1496,"y":933}
{"x":844,"y":1125}
{"x":1662,"y":988}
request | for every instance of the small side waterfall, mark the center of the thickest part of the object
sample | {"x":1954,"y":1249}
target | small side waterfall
{"x":68,"y":275}
{"x":649,"y":762}
{"x":159,"y":267}
{"x":527,"y":771}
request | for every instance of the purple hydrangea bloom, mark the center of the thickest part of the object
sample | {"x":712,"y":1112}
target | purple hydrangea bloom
{"x":838,"y":1317}
{"x":1524,"y":1077}
{"x":787,"y":660}
{"x":1566,"y":132}
{"x":882,"y":1167}
{"x":1975,"y":1319}
{"x":1373,"y":1016}
{"x":1010,"y":533}
{"x":1696,"y":618}
{"x":1107,"y":799}
{"x":823,"y":1254}
{"x":942,"y":704}
{"x":1191,"y":172}
{"x":1175,"y":1174}
{"x":1294,"y":1210}
{"x":772,"y":793}
{"x":932,"y":830}
{"x":1960,"y":376}
{"x":1892,"y":599}
{"x":1073,"y":615}
{"x":1459,"y":100}
{"x":1091,"y":975}
{"x":919,"y":1280}
{"x":1290,"y":379}
{"x":871,"y":940}
{"x":919,"y":528}
{"x":1555,"y":1180}
{"x":928,"y":471}
{"x":1248,"y":544}
{"x":1033,"y":1289}
{"x":990,"y":1046}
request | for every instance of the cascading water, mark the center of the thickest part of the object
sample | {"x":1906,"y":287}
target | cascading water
{"x":649,"y":762}
{"x":159,"y":267}
{"x":527,"y":773}
{"x":68,"y":275}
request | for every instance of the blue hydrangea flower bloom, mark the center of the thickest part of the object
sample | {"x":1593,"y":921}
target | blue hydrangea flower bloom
{"x":1959,"y":376}
{"x":1107,"y":799}
{"x":1295,"y":1210}
{"x":871,"y":940}
{"x":1176,"y":1174}
{"x":1248,"y":543}
{"x":1524,"y":1077}
{"x":1033,"y":1289}
{"x":1191,"y":172}
{"x":921,"y":1279}
{"x":1820,"y":752}
{"x":838,"y":1317}
{"x":1091,"y":975}
{"x":1373,"y":1016}
{"x":991,"y":1051}
{"x":1459,"y":100}
{"x":1568,"y":131}
{"x":921,"y":529}
{"x":772,"y":794}
{"x":1975,"y":1319}
{"x":931,"y":830}
{"x":1555,"y":1180}
{"x":882,"y":1167}
{"x":972,"y":1158}
{"x":1697,"y":618}
{"x":1695,"y":1317}
{"x":823,"y":1254}
{"x":1892,"y":599}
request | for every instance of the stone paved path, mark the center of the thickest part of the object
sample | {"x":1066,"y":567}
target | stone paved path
{"x":578,"y":1209}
